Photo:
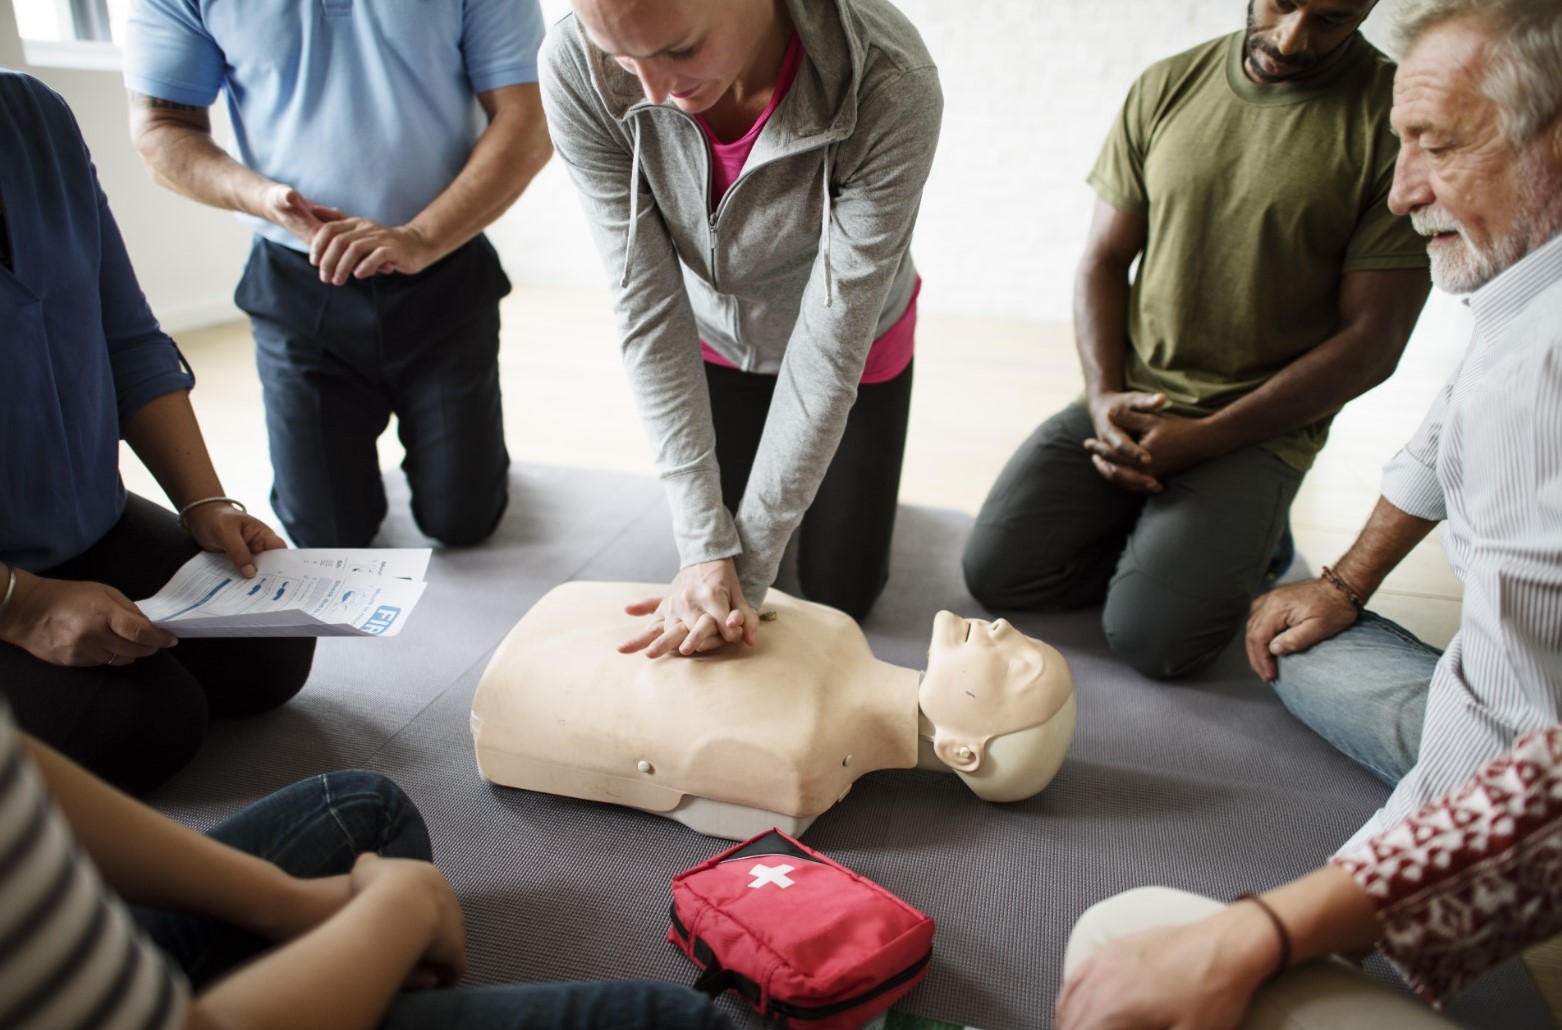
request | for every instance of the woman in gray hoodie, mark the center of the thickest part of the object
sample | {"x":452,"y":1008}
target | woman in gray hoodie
{"x":751,"y":170}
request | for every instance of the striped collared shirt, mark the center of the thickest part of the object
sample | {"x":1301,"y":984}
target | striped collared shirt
{"x":70,"y":956}
{"x":1488,"y":461}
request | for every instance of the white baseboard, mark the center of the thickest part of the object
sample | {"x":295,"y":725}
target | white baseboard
{"x":197,"y":314}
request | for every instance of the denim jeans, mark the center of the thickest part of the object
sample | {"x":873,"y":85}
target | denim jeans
{"x":318,"y":827}
{"x":1364,"y":691}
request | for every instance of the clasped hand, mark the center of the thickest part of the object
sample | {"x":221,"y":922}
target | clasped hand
{"x":344,"y":246}
{"x":1136,"y":448}
{"x":703,"y":610}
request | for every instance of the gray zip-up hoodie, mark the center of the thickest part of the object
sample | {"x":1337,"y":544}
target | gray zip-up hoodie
{"x":804,"y":264}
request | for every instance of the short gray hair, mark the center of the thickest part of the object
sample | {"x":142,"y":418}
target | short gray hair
{"x":1524,"y":69}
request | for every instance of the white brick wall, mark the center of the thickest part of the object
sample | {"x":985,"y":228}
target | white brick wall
{"x":1030,"y":87}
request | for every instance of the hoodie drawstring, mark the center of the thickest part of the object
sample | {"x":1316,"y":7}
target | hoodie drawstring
{"x":824,"y":237}
{"x":634,"y":203}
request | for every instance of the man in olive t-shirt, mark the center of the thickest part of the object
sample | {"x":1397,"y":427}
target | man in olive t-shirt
{"x":1249,"y":178}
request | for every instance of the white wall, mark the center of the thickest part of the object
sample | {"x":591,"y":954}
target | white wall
{"x":1030,"y":89}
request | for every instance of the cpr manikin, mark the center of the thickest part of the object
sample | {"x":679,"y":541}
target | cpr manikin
{"x":741,"y":739}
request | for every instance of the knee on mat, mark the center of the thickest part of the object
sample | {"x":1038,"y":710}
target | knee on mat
{"x":1160,"y":648}
{"x":377,"y":814}
{"x":463,"y":525}
{"x":993,"y":576}
{"x":267,"y":680}
{"x":138,"y":743}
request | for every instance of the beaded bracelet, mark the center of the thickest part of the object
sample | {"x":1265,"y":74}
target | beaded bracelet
{"x":1280,"y":931}
{"x":207,"y":500}
{"x":1333,"y":579}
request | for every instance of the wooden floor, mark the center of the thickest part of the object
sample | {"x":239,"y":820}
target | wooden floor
{"x":981,"y":386}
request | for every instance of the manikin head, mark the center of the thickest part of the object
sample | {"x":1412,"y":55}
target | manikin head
{"x":1478,"y":110}
{"x":1289,"y":40}
{"x":689,"y":51}
{"x":1000,"y":706}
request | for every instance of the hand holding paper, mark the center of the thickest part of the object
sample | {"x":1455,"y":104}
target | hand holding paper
{"x":316,"y":592}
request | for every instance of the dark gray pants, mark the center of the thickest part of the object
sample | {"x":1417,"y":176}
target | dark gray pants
{"x":1177,"y":570}
{"x":336,"y":362}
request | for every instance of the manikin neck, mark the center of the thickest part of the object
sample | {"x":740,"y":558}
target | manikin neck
{"x":927,"y":758}
{"x":892,"y":717}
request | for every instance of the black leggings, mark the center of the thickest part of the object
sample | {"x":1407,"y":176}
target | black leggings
{"x":844,"y":541}
{"x":136,"y":725}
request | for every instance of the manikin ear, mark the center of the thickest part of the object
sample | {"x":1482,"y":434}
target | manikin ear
{"x":1018,"y":765}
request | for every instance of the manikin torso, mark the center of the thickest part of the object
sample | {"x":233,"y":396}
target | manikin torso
{"x":730,"y":743}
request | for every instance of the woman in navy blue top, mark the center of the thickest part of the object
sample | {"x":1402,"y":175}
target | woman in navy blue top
{"x":86,"y":364}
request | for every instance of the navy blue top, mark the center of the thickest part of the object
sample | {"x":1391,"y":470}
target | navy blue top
{"x":80,"y":352}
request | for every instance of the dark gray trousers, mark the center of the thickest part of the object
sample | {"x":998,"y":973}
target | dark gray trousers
{"x":1176,"y":570}
{"x":336,"y":362}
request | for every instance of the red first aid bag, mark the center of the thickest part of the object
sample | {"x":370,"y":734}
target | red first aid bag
{"x":804,"y":940}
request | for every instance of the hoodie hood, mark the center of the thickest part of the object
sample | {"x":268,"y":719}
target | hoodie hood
{"x":824,"y":108}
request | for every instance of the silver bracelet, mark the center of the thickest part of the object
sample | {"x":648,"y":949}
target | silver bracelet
{"x":10,"y":588}
{"x":207,"y":500}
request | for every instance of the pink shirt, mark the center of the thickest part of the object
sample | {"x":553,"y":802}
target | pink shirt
{"x":890,"y":353}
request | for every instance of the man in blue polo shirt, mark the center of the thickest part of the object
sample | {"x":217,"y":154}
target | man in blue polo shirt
{"x":368,"y":181}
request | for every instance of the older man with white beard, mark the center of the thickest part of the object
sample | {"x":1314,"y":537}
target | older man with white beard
{"x":1478,"y":108}
{"x":1463,"y":867}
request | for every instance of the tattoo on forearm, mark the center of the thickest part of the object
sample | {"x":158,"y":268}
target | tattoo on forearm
{"x":159,"y":104}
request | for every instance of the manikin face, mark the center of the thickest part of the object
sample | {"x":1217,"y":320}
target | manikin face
{"x":1000,"y":704}
{"x":1482,"y":202}
{"x":691,"y":51}
{"x":1294,"y":39}
{"x":996,"y":654}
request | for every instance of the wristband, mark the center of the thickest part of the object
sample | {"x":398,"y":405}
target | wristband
{"x":1332,"y":578}
{"x":207,"y":500}
{"x":10,"y":588}
{"x":1280,"y":931}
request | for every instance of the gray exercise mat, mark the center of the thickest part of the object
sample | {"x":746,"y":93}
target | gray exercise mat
{"x":1208,"y":785}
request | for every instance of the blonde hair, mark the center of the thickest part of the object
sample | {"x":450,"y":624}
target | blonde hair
{"x":1524,"y":54}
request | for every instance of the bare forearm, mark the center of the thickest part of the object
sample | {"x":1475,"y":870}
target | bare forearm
{"x":505,"y":159}
{"x":151,"y":860}
{"x":1325,"y":913}
{"x":175,"y":142}
{"x":1378,"y":311}
{"x":342,"y":974}
{"x":167,"y":438}
{"x":1388,"y":536}
{"x":1101,"y":323}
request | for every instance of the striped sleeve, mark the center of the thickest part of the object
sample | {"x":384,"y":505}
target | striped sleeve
{"x":1410,"y":480}
{"x":70,"y":955}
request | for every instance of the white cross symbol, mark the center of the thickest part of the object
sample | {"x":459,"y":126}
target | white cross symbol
{"x":764,"y":874}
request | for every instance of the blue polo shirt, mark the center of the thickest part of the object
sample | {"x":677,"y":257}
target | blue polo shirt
{"x":362,"y":105}
{"x":80,"y":352}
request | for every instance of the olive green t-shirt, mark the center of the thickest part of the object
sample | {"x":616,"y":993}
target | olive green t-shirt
{"x":1257,"y":198}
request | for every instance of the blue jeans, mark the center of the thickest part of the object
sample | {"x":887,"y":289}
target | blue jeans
{"x":318,"y":827}
{"x":1364,"y":691}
